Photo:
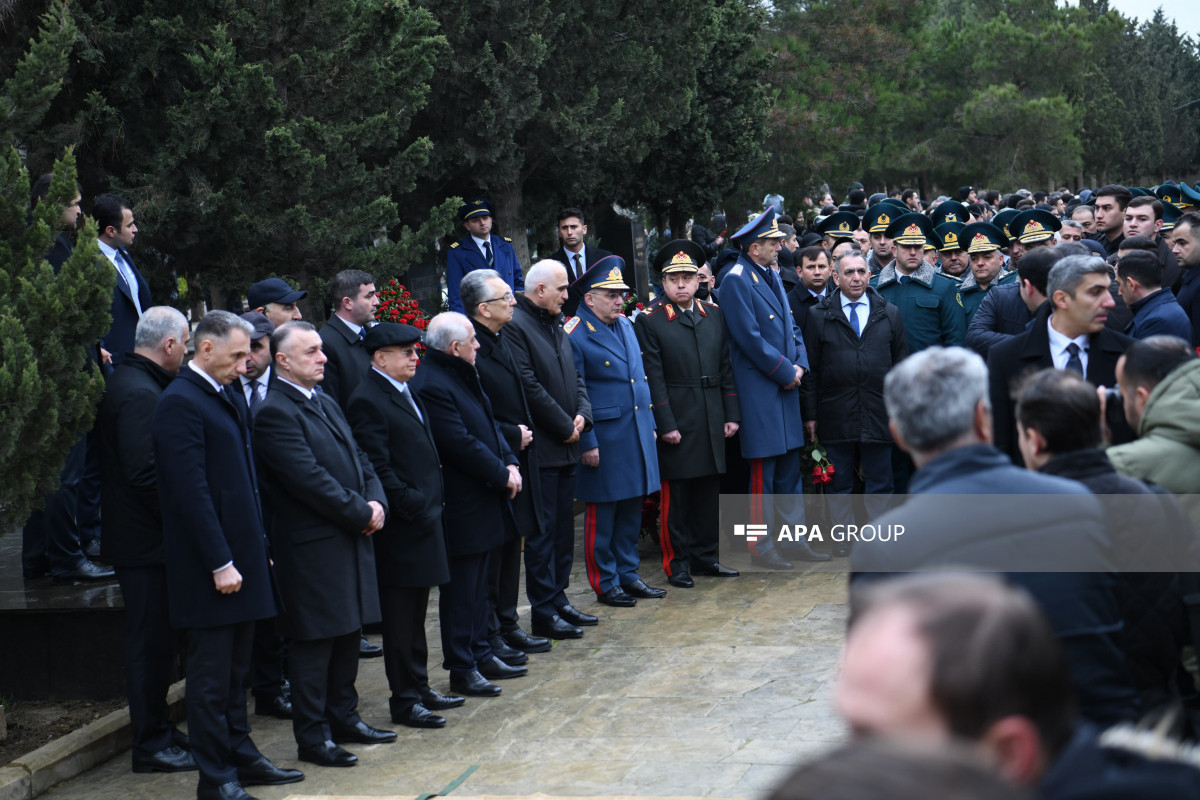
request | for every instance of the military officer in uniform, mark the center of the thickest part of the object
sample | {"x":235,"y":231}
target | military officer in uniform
{"x":953,"y":257}
{"x":949,"y":211}
{"x":836,"y":227}
{"x":875,"y":222}
{"x":926,"y":299}
{"x":479,"y":249}
{"x":686,"y":356}
{"x":620,"y":466}
{"x":983,"y":241}
{"x":768,"y":358}
{"x":1031,"y":228}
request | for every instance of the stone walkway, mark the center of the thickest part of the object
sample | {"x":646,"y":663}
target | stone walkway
{"x":710,"y":692}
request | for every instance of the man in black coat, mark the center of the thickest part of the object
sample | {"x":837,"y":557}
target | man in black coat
{"x":1058,"y":428}
{"x":1007,"y":310}
{"x":489,"y":303}
{"x":354,"y":306}
{"x":686,"y":357}
{"x":324,"y":502}
{"x":854,"y":337}
{"x":574,"y":254}
{"x":218,"y":572}
{"x":133,"y":531}
{"x":816,"y":282}
{"x":482,"y":476}
{"x":1067,"y":333}
{"x":558,"y":403}
{"x":410,"y":550}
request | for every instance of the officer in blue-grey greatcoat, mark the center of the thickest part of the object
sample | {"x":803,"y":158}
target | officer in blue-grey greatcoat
{"x":620,"y":464}
{"x":768,"y":357}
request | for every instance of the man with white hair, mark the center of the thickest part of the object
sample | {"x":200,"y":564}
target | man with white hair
{"x":132,"y":534}
{"x":481,"y":476}
{"x":561,"y":411}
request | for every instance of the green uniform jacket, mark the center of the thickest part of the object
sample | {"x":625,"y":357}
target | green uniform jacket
{"x":928,"y":305}
{"x":970,"y":296}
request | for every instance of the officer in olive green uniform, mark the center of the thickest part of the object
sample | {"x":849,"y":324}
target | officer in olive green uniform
{"x":954,"y":263}
{"x":983,"y":241}
{"x":685,"y":353}
{"x":927,"y":302}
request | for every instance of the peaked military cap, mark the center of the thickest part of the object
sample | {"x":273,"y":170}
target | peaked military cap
{"x":949,"y":236}
{"x":910,"y":229}
{"x":1002,"y":219}
{"x":1033,"y":225}
{"x":479,"y":207}
{"x":949,"y":211}
{"x":764,"y":226}
{"x":1191,"y":197}
{"x":1171,"y":215}
{"x":604,"y":274}
{"x":841,"y":225}
{"x":879,"y":217}
{"x":679,"y":255}
{"x":1169,"y":193}
{"x":982,"y":237}
{"x":897,"y":202}
{"x":391,"y":334}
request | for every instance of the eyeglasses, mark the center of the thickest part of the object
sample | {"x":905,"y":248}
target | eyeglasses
{"x":506,"y":297}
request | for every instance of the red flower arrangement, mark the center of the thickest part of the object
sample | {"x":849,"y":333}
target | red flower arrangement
{"x":396,"y":304}
{"x":823,"y":471}
{"x":632,"y":304}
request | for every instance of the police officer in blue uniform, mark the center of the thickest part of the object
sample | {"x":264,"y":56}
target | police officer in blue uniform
{"x":768,"y":358}
{"x":479,"y":249}
{"x":620,"y":464}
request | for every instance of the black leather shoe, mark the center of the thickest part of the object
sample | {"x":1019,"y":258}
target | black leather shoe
{"x":556,"y":628}
{"x":327,"y":754}
{"x":263,"y":773}
{"x":278,"y":706}
{"x":440,"y":702}
{"x":226,"y":791}
{"x":772,"y":560}
{"x":639,"y":589}
{"x":472,"y":684}
{"x":682,"y":580}
{"x":87,"y":571}
{"x":841,"y":550}
{"x":717,"y":571}
{"x":801,"y":551}
{"x":576,"y":617}
{"x":368,"y":650}
{"x":616,"y":596}
{"x":360,"y":733}
{"x":169,"y":759}
{"x":180,"y":739}
{"x":418,"y":716}
{"x":522,"y":641}
{"x":497,"y":670}
{"x":509,"y":655}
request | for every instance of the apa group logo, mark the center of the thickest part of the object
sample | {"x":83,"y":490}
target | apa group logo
{"x":752,"y":533}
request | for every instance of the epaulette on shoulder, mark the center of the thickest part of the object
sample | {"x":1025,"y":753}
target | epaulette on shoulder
{"x":708,"y":303}
{"x":571,"y":325}
{"x":736,"y":270}
{"x":453,"y":245}
{"x":654,"y":308}
{"x":505,"y":238}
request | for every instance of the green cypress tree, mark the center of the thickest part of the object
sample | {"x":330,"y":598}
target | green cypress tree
{"x":49,"y":322}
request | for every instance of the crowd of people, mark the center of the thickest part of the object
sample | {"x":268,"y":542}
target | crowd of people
{"x":290,"y":486}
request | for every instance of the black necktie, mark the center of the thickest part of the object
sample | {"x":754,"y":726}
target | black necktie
{"x":578,"y":267}
{"x":316,"y":398}
{"x":255,"y":400}
{"x":904,"y":279}
{"x":487,"y":254}
{"x":690,"y":315}
{"x":1074,"y":362}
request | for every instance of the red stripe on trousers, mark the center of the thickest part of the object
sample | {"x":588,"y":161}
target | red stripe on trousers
{"x":664,"y":533}
{"x":589,"y":547}
{"x":756,"y":499}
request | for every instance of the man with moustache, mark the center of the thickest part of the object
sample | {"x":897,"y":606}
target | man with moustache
{"x":983,"y":241}
{"x":410,"y":550}
{"x":274,"y":298}
{"x":324,"y":501}
{"x":218,"y":570}
{"x":686,"y":356}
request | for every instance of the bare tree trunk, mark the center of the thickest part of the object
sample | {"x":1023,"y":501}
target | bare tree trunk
{"x":510,"y":221}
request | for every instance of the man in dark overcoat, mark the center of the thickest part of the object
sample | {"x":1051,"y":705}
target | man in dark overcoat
{"x":325,"y":501}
